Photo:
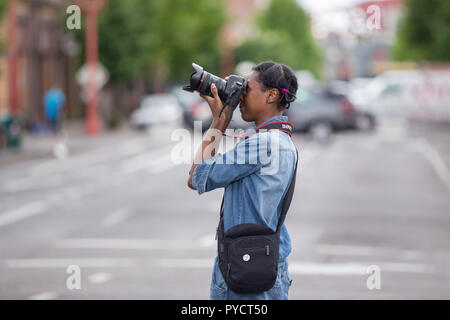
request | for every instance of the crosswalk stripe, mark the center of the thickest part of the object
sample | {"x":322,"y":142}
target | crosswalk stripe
{"x":21,"y":213}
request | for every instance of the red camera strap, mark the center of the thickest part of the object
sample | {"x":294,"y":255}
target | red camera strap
{"x":283,"y":126}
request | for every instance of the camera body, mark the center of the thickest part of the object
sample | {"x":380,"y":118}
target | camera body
{"x":229,"y":90}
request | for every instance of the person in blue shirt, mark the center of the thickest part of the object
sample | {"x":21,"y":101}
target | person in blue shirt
{"x":254,"y":184}
{"x":54,"y":100}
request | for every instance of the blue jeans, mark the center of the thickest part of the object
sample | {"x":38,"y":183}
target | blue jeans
{"x":220,"y":291}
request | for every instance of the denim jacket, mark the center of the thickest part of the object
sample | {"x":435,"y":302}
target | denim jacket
{"x":255,"y":174}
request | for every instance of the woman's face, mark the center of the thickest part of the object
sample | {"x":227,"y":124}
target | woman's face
{"x":254,"y":101}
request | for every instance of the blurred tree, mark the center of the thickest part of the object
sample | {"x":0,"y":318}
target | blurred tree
{"x":158,"y":38}
{"x":424,"y":31}
{"x":284,"y":36}
{"x":183,"y":32}
{"x":145,"y":42}
{"x":123,"y":43}
{"x":3,"y":7}
{"x":122,"y":48}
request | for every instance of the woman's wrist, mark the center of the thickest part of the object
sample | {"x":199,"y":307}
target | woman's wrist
{"x":220,"y":123}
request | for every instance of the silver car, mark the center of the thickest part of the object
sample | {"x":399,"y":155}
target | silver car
{"x":156,"y":108}
{"x":196,"y":108}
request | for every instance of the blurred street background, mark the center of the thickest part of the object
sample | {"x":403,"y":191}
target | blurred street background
{"x":90,"y":110}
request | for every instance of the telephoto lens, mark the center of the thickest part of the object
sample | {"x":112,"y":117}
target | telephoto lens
{"x":201,"y":81}
{"x":229,"y":90}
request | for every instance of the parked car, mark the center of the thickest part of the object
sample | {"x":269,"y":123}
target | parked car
{"x":320,"y":112}
{"x":156,"y":108}
{"x":414,"y":94}
{"x":196,"y":108}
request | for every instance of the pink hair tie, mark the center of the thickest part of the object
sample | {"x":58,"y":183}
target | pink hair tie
{"x":284,"y":90}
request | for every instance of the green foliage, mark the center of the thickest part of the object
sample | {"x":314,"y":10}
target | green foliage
{"x":122,"y":39}
{"x":134,"y":35}
{"x":284,"y":37}
{"x":3,"y":7}
{"x":122,"y":47}
{"x":424,"y":31}
{"x":186,"y":31}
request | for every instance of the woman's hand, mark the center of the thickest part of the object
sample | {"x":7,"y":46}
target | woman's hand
{"x":214,"y":102}
{"x":216,"y":105}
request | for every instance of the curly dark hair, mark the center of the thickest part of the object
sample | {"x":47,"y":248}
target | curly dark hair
{"x":278,"y":76}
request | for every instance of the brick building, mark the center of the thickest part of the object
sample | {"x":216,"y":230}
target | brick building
{"x":45,"y":58}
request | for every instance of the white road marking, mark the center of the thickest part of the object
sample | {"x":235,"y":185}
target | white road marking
{"x":100,"y":277}
{"x":161,"y":168}
{"x":184,"y":263}
{"x":207,"y":241}
{"x":116,"y":217}
{"x":402,"y":254}
{"x":412,"y":255}
{"x":128,"y":244}
{"x":21,"y":184}
{"x":295,"y":267}
{"x":434,"y":158}
{"x":348,"y":250}
{"x":85,"y":165}
{"x":65,"y":262}
{"x":309,"y":268}
{"x":22,"y":212}
{"x":406,"y":267}
{"x":85,"y":159}
{"x":345,"y":269}
{"x":146,"y":160}
{"x":335,"y":269}
{"x":44,"y":296}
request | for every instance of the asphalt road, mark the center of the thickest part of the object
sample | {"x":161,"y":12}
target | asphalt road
{"x":365,"y":206}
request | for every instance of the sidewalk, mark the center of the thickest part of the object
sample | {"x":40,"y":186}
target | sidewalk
{"x":42,"y":146}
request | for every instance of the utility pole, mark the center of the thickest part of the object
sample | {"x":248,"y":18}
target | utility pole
{"x":91,"y":8}
{"x":226,"y":52}
{"x":12,"y":55}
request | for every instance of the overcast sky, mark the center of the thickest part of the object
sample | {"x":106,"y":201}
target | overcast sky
{"x":317,"y":6}
{"x":330,"y":15}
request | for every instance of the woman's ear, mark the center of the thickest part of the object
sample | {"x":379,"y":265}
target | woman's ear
{"x":273,"y":96}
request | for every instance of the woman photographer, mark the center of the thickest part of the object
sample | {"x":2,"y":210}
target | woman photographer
{"x":251,"y":196}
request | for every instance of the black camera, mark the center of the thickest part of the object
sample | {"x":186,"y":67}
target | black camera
{"x":229,"y":90}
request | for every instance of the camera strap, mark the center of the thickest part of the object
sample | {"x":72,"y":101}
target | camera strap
{"x":287,"y":127}
{"x":248,"y":253}
{"x":283,"y":126}
{"x":286,"y":201}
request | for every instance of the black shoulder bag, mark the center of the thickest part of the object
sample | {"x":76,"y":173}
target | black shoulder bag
{"x":248,"y":253}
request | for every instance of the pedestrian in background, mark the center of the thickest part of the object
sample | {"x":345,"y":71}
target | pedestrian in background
{"x":54,"y":100}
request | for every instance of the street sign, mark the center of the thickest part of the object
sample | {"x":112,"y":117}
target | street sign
{"x":101,"y":75}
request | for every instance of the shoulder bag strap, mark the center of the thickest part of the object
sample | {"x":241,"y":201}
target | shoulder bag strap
{"x":288,"y":197}
{"x":286,"y":201}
